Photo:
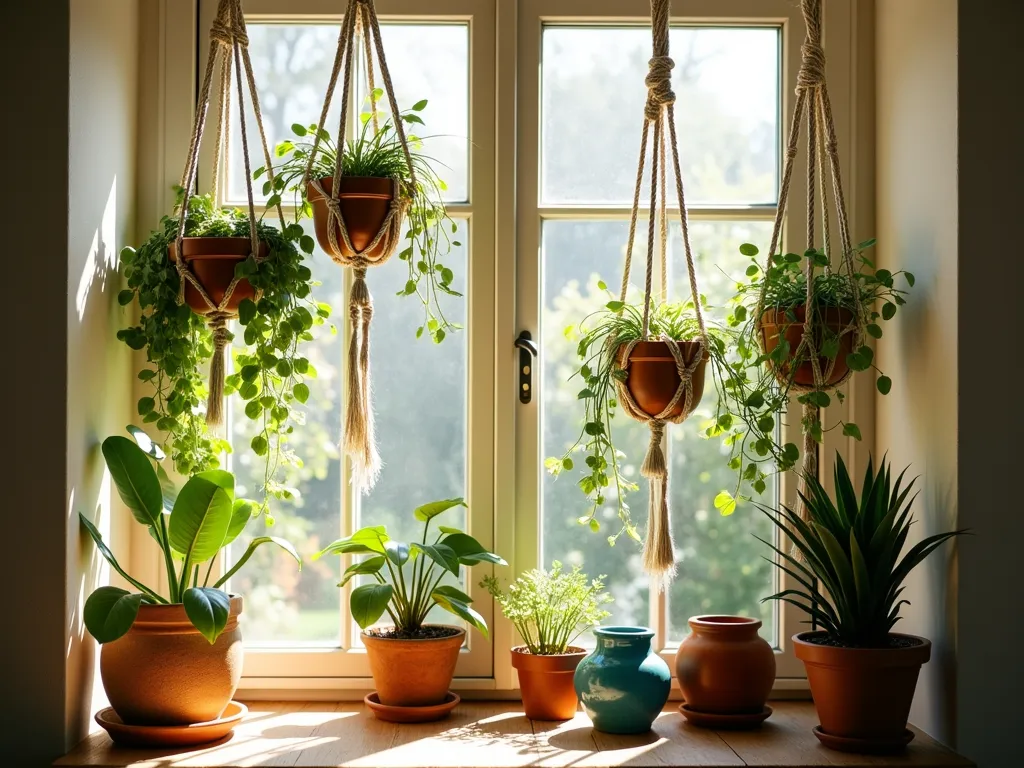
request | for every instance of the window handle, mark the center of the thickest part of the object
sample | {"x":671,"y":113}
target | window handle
{"x":527,"y":351}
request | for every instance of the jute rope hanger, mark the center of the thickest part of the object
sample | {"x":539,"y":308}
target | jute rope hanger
{"x":229,"y":43}
{"x":812,"y":100}
{"x":659,"y":120}
{"x":359,"y":441}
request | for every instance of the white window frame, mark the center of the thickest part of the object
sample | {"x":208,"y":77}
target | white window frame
{"x":503,"y":450}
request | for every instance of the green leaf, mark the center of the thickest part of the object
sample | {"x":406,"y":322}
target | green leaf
{"x":910,"y":278}
{"x":749,"y":249}
{"x":301,"y":392}
{"x":888,"y":310}
{"x":367,"y":567}
{"x":615,"y":306}
{"x":146,"y":405}
{"x":884,"y":384}
{"x":460,"y":608}
{"x":755,"y":400}
{"x":441,"y":554}
{"x":470,"y":551}
{"x":299,"y":130}
{"x":307,"y":244}
{"x":435,"y":508}
{"x":133,"y":474}
{"x":420,"y":105}
{"x":369,"y":602}
{"x":397,"y":552}
{"x":874,"y":330}
{"x":110,"y":612}
{"x":104,"y":550}
{"x":246,"y":312}
{"x":200,"y":518}
{"x":366,"y":540}
{"x":241,"y":514}
{"x":567,"y":465}
{"x":124,"y":298}
{"x":852,"y":430}
{"x":208,"y":610}
{"x":259,"y":445}
{"x":725,"y":503}
{"x":253,"y":546}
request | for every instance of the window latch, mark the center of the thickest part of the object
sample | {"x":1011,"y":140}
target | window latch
{"x":527,"y":351}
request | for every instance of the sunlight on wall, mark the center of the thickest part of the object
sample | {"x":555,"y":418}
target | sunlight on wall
{"x":102,"y":258}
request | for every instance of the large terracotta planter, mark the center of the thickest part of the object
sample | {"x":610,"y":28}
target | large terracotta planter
{"x":724,"y":667}
{"x":653,"y":379}
{"x":413,"y":673}
{"x":213,"y":261}
{"x":163,"y":672}
{"x":776,"y":323}
{"x":364,"y":202}
{"x":546,"y":683}
{"x":863,"y":693}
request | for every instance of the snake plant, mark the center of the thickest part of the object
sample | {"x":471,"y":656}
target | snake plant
{"x":851,"y":546}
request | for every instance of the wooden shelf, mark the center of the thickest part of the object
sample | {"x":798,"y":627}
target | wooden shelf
{"x":497,"y":735}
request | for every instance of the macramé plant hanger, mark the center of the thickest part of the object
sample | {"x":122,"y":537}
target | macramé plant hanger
{"x":358,"y":223}
{"x":814,"y":312}
{"x":206,"y":265}
{"x":687,"y":359}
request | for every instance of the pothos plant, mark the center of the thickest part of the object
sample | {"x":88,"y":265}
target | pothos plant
{"x":601,"y":334}
{"x":756,"y":391}
{"x":191,"y":526}
{"x":407,"y":576}
{"x":379,"y":154}
{"x":271,"y":370}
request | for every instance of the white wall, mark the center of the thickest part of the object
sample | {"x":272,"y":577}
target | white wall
{"x":916,"y":201}
{"x":101,"y":176}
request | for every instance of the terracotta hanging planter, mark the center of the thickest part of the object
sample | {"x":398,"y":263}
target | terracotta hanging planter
{"x":863,"y":694}
{"x":364,"y":202}
{"x":213,"y":261}
{"x":164,"y":672}
{"x":546,"y":682}
{"x":724,"y":667}
{"x":777,"y":323}
{"x":653,"y":378}
{"x":413,"y":673}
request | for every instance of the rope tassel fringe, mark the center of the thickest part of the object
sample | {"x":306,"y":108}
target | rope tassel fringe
{"x":360,"y":443}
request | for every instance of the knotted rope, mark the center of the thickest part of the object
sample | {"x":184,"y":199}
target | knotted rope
{"x":812,"y":100}
{"x":359,"y":440}
{"x":659,"y":113}
{"x":228,"y":44}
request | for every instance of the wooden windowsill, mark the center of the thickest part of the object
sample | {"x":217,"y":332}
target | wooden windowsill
{"x":494,"y":734}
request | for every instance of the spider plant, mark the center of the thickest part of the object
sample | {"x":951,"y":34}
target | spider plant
{"x":378,"y":153}
{"x":851,"y":546}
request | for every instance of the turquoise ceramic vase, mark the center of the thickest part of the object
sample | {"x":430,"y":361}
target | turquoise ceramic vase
{"x":623,"y":684}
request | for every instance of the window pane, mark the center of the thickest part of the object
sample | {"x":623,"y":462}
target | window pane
{"x":283,"y":604}
{"x":292,"y":64}
{"x":721,"y":568}
{"x":727,"y":94}
{"x":574,"y":255}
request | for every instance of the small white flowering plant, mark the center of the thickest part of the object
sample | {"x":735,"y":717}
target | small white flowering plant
{"x":550,"y":609}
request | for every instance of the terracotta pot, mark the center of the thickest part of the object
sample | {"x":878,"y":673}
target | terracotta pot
{"x":546,"y":683}
{"x":413,"y":673}
{"x":653,"y":378}
{"x":862,"y":693}
{"x":775,"y":323}
{"x":213,"y":261}
{"x":364,"y":202}
{"x":724,"y":667}
{"x":163,"y":672}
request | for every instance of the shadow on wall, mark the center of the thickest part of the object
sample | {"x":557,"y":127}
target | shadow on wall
{"x":98,"y":388}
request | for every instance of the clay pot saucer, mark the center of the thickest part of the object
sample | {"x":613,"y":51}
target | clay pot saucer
{"x":864,"y":746}
{"x":425,"y":714}
{"x":738,"y":722}
{"x":171,"y":735}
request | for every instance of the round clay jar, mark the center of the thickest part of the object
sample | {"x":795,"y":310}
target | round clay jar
{"x":724,"y":666}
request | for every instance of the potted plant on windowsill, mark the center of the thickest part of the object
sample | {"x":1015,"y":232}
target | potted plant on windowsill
{"x":276,"y":313}
{"x":377,"y":178}
{"x":862,"y":674}
{"x":550,"y":609}
{"x":412,"y":662}
{"x":175,"y":658}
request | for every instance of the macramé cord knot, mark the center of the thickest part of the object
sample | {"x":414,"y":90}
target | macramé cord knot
{"x":659,"y":86}
{"x":217,"y":322}
{"x":227,"y":34}
{"x":812,"y":66}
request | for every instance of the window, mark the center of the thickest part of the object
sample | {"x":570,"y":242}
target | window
{"x":538,"y":111}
